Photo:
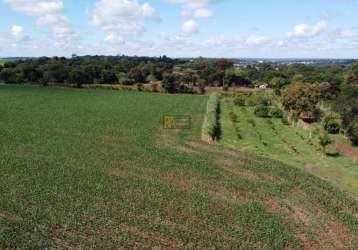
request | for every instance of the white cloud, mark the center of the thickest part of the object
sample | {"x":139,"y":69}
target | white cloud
{"x":256,"y":40}
{"x":114,"y":38}
{"x":36,"y":8}
{"x":307,"y":31}
{"x":190,"y":27}
{"x":193,"y":9}
{"x":203,"y":13}
{"x":17,"y":30}
{"x":47,"y":13}
{"x":122,"y":17}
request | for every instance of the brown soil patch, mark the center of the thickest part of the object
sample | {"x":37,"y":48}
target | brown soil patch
{"x":347,"y":150}
{"x":322,"y":231}
{"x":302,"y":214}
{"x":230,"y":196}
{"x":177,"y":181}
{"x":168,"y":139}
{"x":220,"y":151}
{"x":120,"y":172}
{"x":210,"y":90}
{"x":306,"y":243}
{"x":153,"y":240}
{"x":114,"y":141}
{"x":242,"y":174}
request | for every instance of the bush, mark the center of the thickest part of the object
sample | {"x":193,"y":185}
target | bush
{"x":226,"y":87}
{"x":260,"y":100}
{"x":324,"y":139}
{"x":331,"y":124}
{"x":254,"y":99}
{"x":233,"y":117}
{"x":262,"y":111}
{"x":252,"y":122}
{"x":183,"y":89}
{"x":239,"y":101}
{"x":284,"y":120}
{"x":352,"y":132}
{"x":276,"y":112}
{"x":331,"y":150}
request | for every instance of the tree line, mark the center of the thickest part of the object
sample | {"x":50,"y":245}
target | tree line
{"x":301,"y":87}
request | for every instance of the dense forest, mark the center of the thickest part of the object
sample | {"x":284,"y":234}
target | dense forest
{"x":302,"y":88}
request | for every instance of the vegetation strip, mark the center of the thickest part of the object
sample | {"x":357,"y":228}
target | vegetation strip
{"x":211,"y":130}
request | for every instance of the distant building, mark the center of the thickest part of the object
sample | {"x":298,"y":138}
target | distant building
{"x":262,"y":86}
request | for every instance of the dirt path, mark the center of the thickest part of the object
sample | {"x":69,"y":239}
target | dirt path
{"x":347,"y":150}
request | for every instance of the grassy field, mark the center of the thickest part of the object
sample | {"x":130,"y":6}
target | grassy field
{"x":293,"y":145}
{"x":94,"y":169}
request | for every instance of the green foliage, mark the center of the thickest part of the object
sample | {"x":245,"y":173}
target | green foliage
{"x":108,"y":77}
{"x":169,"y":83}
{"x":324,"y":139}
{"x":285,"y":120}
{"x":262,"y":111}
{"x":78,"y":77}
{"x":331,"y":150}
{"x":233,"y":117}
{"x":226,"y":87}
{"x":258,"y":99}
{"x":278,"y":82}
{"x":347,"y":106}
{"x":201,"y":86}
{"x":352,"y":131}
{"x":351,"y":77}
{"x":302,"y":99}
{"x":240,"y":101}
{"x":276,"y":112}
{"x":252,"y":122}
{"x":298,"y":78}
{"x":211,"y":126}
{"x":331,"y":124}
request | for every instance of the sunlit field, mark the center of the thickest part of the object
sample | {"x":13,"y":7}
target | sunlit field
{"x":96,"y":169}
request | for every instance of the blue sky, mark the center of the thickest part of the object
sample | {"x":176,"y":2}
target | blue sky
{"x":180,"y":28}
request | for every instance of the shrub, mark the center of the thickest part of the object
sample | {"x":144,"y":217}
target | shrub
{"x":352,"y":132}
{"x":233,"y":117}
{"x":183,"y":89}
{"x":226,"y":87}
{"x":255,"y":99}
{"x":331,"y":150}
{"x":284,"y":120}
{"x":211,"y":126}
{"x":276,"y":112}
{"x":260,"y":100}
{"x":239,"y":101}
{"x":262,"y":111}
{"x":331,"y":124}
{"x":324,"y":139}
{"x":252,"y":122}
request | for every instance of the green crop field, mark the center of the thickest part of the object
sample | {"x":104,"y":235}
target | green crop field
{"x":95,"y":169}
{"x":293,"y":145}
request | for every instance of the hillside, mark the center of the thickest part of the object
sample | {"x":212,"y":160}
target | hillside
{"x":96,"y":169}
{"x":296,"y":145}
